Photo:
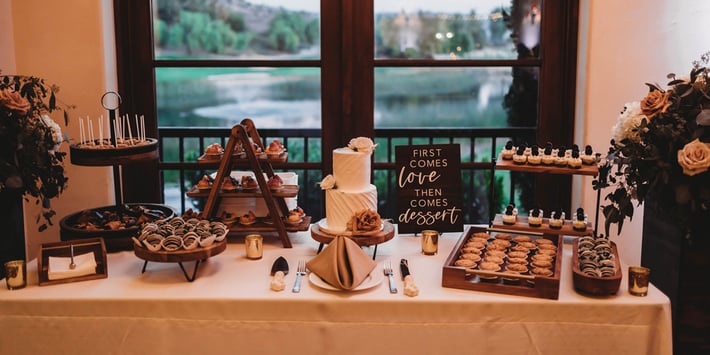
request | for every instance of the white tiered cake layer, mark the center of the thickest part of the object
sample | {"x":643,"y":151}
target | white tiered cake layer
{"x":341,"y":205}
{"x":351,"y":169}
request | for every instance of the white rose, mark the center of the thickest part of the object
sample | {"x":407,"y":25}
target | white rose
{"x":362,"y":144}
{"x":328,"y":182}
{"x":627,"y":123}
{"x":56,"y":130}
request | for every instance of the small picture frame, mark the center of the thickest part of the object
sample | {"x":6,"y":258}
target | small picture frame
{"x":64,"y":249}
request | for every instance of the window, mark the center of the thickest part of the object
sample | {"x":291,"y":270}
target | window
{"x":445,"y":71}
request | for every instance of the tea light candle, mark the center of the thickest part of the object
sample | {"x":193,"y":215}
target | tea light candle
{"x":16,"y":274}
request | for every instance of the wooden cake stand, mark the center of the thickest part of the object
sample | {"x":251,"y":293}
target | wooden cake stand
{"x":179,"y":256}
{"x":375,"y":238}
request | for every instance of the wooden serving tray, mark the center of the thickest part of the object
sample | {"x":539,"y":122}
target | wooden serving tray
{"x":599,"y":286}
{"x":239,"y":160}
{"x":114,"y":156}
{"x":591,"y":170}
{"x":287,"y":191}
{"x":529,"y":285}
{"x":523,"y":226}
{"x":163,"y":256}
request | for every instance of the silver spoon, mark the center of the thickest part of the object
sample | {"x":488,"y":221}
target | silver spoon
{"x":72,"y":265}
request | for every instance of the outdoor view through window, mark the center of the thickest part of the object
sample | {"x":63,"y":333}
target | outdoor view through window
{"x":437,"y":64}
{"x":290,"y":30}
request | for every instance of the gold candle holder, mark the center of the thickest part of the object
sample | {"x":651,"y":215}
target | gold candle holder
{"x":638,"y":280}
{"x":430,"y":242}
{"x":254,"y":244}
{"x":16,"y":271}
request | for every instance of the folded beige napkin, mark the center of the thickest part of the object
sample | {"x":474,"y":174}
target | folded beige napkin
{"x":342,"y":264}
{"x":59,"y":266}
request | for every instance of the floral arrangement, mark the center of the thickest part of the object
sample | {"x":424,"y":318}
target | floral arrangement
{"x":29,"y":141}
{"x":661,"y":152}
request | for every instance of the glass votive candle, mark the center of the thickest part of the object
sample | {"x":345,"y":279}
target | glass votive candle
{"x":16,"y":271}
{"x":638,"y":280}
{"x":430,"y":242}
{"x":254,"y":244}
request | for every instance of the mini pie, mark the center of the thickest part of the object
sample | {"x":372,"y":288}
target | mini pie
{"x":517,"y":254}
{"x":521,"y":261}
{"x":522,"y":238}
{"x":529,"y":245}
{"x":543,"y":241}
{"x":505,"y":243}
{"x":493,"y":259}
{"x":539,"y":271}
{"x":504,"y":236}
{"x":498,"y":253}
{"x":470,"y":256}
{"x":489,"y":266}
{"x":471,"y":250}
{"x":465,"y":263}
{"x":517,"y":268}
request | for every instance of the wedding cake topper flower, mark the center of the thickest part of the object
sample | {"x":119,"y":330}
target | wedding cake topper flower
{"x":328,"y":182}
{"x":661,"y":151}
{"x":362,"y":144}
{"x":365,"y":221}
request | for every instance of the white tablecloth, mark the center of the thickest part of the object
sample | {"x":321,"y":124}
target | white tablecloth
{"x":230,"y":309}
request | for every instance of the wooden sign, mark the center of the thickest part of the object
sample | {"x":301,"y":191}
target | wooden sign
{"x":429,"y":194}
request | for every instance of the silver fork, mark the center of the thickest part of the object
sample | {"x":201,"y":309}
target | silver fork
{"x":300,"y":271}
{"x":388,"y":271}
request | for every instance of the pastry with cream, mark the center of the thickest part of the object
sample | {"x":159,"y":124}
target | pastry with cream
{"x":508,"y":151}
{"x":588,"y":156}
{"x":574,"y":161}
{"x":535,"y":217}
{"x":579,"y":223}
{"x":535,"y":158}
{"x":510,"y":215}
{"x":519,"y":157}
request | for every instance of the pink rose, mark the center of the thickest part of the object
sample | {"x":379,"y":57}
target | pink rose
{"x":14,"y":101}
{"x":694,"y":158}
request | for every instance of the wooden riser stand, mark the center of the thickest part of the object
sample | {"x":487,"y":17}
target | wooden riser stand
{"x":245,"y":133}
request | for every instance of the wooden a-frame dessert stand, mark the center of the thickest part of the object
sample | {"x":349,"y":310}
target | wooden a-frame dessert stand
{"x":245,"y":133}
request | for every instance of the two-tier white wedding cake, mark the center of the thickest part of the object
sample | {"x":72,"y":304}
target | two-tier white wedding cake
{"x":349,"y":191}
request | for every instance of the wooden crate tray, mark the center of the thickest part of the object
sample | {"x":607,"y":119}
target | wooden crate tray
{"x":523,"y":226}
{"x":528,"y":285}
{"x":599,"y":286}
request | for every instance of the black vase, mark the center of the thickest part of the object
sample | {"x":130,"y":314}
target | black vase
{"x":679,"y":259}
{"x":12,"y":237}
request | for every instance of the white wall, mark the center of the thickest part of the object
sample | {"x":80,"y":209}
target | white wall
{"x":628,"y":43}
{"x":61,"y":41}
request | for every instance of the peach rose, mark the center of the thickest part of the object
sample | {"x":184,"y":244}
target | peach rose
{"x":366,"y":221}
{"x":14,"y":101}
{"x":362,"y":144}
{"x":694,"y":158}
{"x":654,"y":103}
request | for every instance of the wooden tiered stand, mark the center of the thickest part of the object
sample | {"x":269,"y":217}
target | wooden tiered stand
{"x":246,"y":134}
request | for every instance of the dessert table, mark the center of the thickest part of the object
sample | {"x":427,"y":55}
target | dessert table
{"x":229,"y":308}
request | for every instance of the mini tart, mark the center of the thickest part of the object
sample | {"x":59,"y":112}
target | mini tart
{"x":519,"y":268}
{"x":294,"y":218}
{"x":542,"y":257}
{"x":542,"y":263}
{"x":476,"y":244}
{"x":471,"y":256}
{"x":504,"y":236}
{"x":517,"y":254}
{"x":493,"y":259}
{"x":465,"y":263}
{"x":229,"y":185}
{"x":521,"y":261}
{"x":539,"y":271}
{"x":249,"y":183}
{"x":541,"y":241}
{"x":556,"y":223}
{"x":482,"y":235}
{"x":527,"y":245}
{"x":471,"y":250}
{"x":520,"y":248}
{"x":495,"y":247}
{"x":550,"y":252}
{"x":247,"y":218}
{"x":522,"y":238}
{"x":502,"y":242}
{"x":498,"y":253}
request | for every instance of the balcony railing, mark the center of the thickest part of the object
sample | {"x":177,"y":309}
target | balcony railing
{"x":180,"y":147}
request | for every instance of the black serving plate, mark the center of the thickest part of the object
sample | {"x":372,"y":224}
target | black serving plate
{"x":118,"y":239}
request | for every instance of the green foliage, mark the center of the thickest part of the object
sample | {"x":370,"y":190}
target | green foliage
{"x":235,"y":21}
{"x":283,"y":38}
{"x":175,"y":36}
{"x":169,"y":11}
{"x":161,"y":32}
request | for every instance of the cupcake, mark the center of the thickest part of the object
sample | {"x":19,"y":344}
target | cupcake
{"x":535,"y":217}
{"x":574,"y":161}
{"x":548,"y":158}
{"x":561,"y":159}
{"x":535,"y":158}
{"x":510,"y":215}
{"x":519,"y":157}
{"x":557,"y":219}
{"x":588,"y":156}
{"x":508,"y":151}
{"x":580,"y":220}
